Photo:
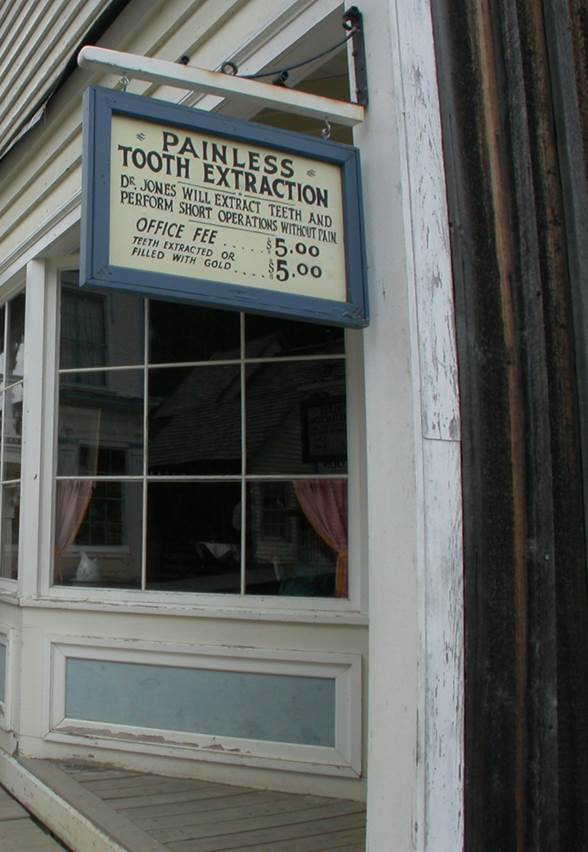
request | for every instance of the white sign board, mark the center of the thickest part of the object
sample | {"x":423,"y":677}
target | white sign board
{"x":189,"y":205}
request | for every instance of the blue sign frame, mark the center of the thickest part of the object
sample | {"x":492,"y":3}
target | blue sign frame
{"x":100,"y":105}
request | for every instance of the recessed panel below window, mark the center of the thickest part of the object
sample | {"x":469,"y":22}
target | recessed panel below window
{"x":193,"y":536}
{"x":255,"y":706}
{"x":98,"y":533}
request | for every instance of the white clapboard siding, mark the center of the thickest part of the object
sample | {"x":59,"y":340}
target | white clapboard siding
{"x":37,"y":39}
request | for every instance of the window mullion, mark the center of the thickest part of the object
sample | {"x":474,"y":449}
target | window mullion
{"x":145,"y":442}
{"x":4,"y":385}
{"x":38,"y":353}
{"x":243,"y":457}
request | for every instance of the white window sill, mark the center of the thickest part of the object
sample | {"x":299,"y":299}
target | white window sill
{"x":257,"y":610}
{"x":9,"y":592}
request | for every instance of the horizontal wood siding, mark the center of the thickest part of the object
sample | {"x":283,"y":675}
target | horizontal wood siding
{"x":36,"y":43}
{"x":42,"y":178}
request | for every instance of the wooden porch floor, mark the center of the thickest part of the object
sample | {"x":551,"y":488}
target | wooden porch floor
{"x":151,"y":813}
{"x":19,"y":832}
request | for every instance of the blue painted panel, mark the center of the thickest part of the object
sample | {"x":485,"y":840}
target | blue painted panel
{"x":2,"y":672}
{"x":277,"y":708}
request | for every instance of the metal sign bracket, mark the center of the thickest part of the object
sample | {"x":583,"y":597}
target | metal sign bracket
{"x":134,"y":66}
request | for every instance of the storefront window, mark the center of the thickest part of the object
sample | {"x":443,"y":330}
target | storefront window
{"x":12,"y":321}
{"x":198,"y":450}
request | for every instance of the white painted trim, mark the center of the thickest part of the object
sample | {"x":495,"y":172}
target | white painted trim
{"x":37,"y":245}
{"x":8,"y":590}
{"x":31,"y":467}
{"x":343,"y":760}
{"x":194,"y":79}
{"x":440,"y":773}
{"x":185,"y":609}
{"x":412,"y":281}
{"x":49,"y":420}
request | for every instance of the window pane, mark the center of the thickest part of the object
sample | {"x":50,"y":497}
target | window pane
{"x":98,"y":533}
{"x":101,"y":429}
{"x":193,"y":536}
{"x":10,"y":531}
{"x":195,"y":420}
{"x":267,"y":337}
{"x":296,"y":420}
{"x":12,"y":432}
{"x":100,"y":330}
{"x":286,"y":555}
{"x":16,"y":321}
{"x":182,"y":333}
{"x":2,"y":318}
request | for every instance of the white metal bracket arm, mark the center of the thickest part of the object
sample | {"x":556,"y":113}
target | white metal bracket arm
{"x":214,"y":83}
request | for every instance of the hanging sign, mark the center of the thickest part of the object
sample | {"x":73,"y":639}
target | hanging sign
{"x":183,"y":204}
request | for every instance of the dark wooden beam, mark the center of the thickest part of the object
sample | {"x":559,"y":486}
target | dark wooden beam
{"x":525,"y":577}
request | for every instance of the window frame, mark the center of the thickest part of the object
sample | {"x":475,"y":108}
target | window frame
{"x":354,"y":607}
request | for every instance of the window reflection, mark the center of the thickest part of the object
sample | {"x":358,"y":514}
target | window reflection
{"x":10,"y":531}
{"x":240,"y":466}
{"x":268,"y":337}
{"x":296,"y":418}
{"x":98,"y":533}
{"x":99,"y":330}
{"x":12,"y":330}
{"x":92,"y":419}
{"x":183,"y":333}
{"x":195,"y":420}
{"x":15,"y":339}
{"x":12,"y":432}
{"x":297,"y":538}
{"x":2,"y":321}
{"x":193,"y":536}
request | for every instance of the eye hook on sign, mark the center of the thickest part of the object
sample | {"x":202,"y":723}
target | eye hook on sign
{"x":229,"y":68}
{"x":124,"y":83}
{"x":326,"y":131}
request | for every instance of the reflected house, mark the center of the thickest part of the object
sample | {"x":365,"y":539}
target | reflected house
{"x":197,"y":430}
{"x":12,"y":369}
{"x":227,"y":441}
{"x":101,"y":434}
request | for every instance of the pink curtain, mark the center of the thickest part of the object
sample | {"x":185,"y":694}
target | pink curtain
{"x":324,"y":503}
{"x":73,"y":499}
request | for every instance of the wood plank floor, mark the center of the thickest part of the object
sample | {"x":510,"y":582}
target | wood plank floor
{"x":147,"y":813}
{"x":20,"y":833}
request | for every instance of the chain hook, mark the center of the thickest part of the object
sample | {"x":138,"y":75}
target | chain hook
{"x":326,"y":131}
